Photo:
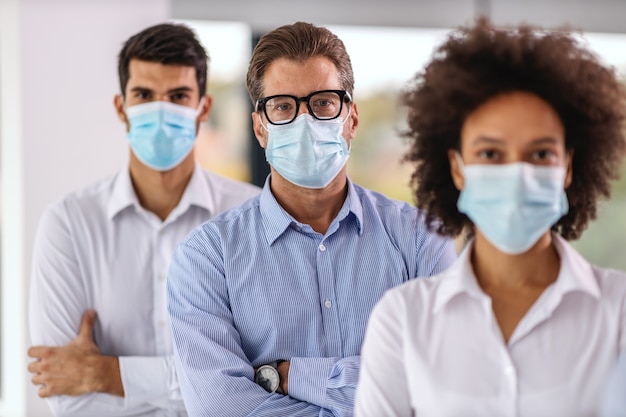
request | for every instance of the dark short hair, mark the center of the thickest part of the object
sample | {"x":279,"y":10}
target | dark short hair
{"x":167,"y":44}
{"x":298,"y":42}
{"x":480,"y":62}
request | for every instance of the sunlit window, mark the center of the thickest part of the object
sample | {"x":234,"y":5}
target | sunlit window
{"x":223,"y":143}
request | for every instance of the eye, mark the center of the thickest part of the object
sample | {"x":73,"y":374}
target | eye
{"x":282,"y":107}
{"x":179,"y":97}
{"x":143,"y":95}
{"x":543,"y":155}
{"x":489,"y":154}
{"x":323,"y":103}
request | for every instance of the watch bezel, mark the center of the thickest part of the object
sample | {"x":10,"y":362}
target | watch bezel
{"x":258,"y":372}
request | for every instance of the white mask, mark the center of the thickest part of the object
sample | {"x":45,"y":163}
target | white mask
{"x":307,"y":152}
{"x":515,"y":204}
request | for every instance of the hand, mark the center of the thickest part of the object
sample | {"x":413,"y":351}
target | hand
{"x":283,"y":371}
{"x":76,"y":368}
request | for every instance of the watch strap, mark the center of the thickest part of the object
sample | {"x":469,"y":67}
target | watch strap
{"x":275,"y":366}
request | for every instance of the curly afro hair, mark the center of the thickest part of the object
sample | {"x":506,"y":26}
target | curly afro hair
{"x":480,"y":62}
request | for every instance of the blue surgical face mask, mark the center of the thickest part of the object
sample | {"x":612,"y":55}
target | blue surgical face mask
{"x":307,"y":152}
{"x":515,"y":204}
{"x":162,"y":134}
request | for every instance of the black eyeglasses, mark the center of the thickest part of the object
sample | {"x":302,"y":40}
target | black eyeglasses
{"x":323,"y":105}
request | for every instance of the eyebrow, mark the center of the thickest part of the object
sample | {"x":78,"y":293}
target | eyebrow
{"x":547,"y":140}
{"x":487,"y":139}
{"x":183,"y":89}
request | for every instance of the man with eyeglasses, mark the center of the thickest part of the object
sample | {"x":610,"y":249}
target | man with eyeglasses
{"x":269,"y":301}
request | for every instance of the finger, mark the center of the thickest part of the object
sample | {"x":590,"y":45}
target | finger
{"x":86,"y":325}
{"x":37,"y":379}
{"x":39,"y":352}
{"x":34,"y":367}
{"x":43,"y":392}
{"x":35,"y":351}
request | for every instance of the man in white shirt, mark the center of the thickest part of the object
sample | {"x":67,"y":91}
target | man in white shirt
{"x":97,"y":302}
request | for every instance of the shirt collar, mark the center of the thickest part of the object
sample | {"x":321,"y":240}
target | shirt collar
{"x":458,"y":279}
{"x":123,"y":194}
{"x":575,"y":274}
{"x":276,"y":220}
{"x":196,"y":193}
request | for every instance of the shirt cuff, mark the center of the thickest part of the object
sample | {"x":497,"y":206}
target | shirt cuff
{"x":145,"y":379}
{"x":308,"y":379}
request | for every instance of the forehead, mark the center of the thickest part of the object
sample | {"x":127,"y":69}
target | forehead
{"x":515,"y":119}
{"x":158,"y":77}
{"x":286,"y":76}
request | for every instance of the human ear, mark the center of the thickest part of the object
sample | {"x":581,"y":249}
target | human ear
{"x":456,"y":171}
{"x":259,"y":130}
{"x":354,"y":121}
{"x":118,"y":103}
{"x":569,"y":170}
{"x":207,"y":104}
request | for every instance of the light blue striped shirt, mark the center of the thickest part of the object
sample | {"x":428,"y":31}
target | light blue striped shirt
{"x":253,"y":286}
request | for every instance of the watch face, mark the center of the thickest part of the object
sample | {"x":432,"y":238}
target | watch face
{"x":267,"y":377}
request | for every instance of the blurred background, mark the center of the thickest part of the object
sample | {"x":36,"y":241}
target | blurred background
{"x":384,"y":59}
{"x":59,"y":131}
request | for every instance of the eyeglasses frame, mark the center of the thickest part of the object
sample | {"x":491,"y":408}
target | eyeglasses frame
{"x":344,"y":96}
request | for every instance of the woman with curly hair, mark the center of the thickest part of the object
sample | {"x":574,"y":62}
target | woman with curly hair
{"x":516,"y":134}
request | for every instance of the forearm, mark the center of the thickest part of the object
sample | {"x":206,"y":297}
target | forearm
{"x":148,"y":384}
{"x":329,"y":383}
{"x":217,"y":381}
{"x":104,"y":375}
{"x":95,"y":404}
{"x":215,"y":374}
{"x":151,"y":380}
{"x":228,"y":392}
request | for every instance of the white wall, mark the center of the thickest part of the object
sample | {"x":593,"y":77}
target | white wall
{"x":59,"y":132}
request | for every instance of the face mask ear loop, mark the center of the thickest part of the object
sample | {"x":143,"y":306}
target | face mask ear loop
{"x":125,"y":107}
{"x":459,"y":160}
{"x":347,"y":115}
{"x":200,"y":106}
{"x":343,"y":123}
{"x":262,"y":124}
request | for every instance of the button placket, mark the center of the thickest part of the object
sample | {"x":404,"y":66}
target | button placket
{"x":160,"y":264}
{"x":327,"y":295}
{"x":509,"y":373}
{"x":327,"y":303}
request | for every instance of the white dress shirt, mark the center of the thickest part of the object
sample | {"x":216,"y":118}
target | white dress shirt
{"x":614,"y":398}
{"x":98,"y":248}
{"x":433,"y":347}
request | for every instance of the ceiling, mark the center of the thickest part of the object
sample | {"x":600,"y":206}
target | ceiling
{"x":587,"y":15}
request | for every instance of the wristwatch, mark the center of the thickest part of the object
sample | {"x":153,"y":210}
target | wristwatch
{"x":268,"y":377}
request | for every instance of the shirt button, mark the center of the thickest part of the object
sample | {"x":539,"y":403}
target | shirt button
{"x":509,"y":371}
{"x":161,"y":324}
{"x":162,"y":277}
{"x":328,"y":304}
{"x":323,"y":248}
